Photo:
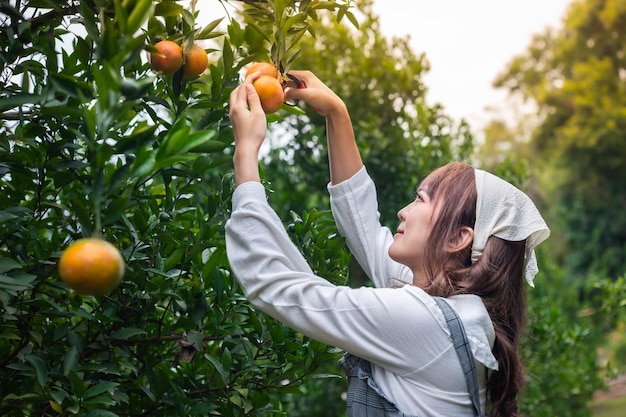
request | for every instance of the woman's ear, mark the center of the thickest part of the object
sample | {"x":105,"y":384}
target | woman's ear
{"x":462,"y":239}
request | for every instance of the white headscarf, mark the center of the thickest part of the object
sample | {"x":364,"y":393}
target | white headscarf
{"x":504,"y":211}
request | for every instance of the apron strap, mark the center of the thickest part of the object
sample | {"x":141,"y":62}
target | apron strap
{"x":461,"y":345}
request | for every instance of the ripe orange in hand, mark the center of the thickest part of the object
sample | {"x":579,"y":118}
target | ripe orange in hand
{"x":91,"y":266}
{"x":168,"y":59}
{"x":196,"y":62}
{"x":270,"y":92}
{"x":264,"y":67}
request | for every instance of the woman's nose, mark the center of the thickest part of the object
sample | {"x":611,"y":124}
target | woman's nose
{"x":402,"y":212}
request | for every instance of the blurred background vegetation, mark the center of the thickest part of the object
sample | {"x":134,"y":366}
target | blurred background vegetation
{"x":91,"y":140}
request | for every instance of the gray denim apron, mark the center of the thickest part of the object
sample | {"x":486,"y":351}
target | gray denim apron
{"x":365,"y":398}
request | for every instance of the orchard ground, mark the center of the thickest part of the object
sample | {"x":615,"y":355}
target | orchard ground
{"x":611,"y":402}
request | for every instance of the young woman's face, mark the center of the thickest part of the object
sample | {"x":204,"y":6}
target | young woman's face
{"x":415,"y":225}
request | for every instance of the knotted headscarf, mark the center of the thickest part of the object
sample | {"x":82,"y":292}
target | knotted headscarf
{"x":504,"y":211}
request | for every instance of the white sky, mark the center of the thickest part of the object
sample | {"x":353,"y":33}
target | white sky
{"x":468,"y":43}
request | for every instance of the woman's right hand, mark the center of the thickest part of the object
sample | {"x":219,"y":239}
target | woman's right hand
{"x":315,"y":93}
{"x":343,"y":153}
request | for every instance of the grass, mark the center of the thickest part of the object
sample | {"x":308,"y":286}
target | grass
{"x":609,"y":408}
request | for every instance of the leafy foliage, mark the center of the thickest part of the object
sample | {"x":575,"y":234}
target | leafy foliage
{"x":95,"y":143}
{"x":554,"y":383}
{"x":559,"y":348}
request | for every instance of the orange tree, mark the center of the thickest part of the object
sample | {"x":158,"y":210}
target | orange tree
{"x":93,"y":142}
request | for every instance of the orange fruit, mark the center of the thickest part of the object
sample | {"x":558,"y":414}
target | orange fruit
{"x":264,"y":67}
{"x":91,"y":266}
{"x":196,"y":62}
{"x":168,"y":59}
{"x":270,"y":92}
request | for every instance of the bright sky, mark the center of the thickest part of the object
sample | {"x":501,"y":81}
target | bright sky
{"x":468,"y":43}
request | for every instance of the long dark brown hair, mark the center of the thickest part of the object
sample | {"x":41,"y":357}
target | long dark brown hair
{"x":497,"y":277}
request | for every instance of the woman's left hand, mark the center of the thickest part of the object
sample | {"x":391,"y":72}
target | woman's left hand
{"x":247,"y":116}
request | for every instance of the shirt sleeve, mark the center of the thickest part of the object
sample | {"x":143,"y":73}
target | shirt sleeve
{"x":355,"y":208}
{"x":368,"y":322}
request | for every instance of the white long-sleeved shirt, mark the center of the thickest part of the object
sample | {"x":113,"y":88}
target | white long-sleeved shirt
{"x":401,"y":331}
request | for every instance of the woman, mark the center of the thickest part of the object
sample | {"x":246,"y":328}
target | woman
{"x":468,"y":238}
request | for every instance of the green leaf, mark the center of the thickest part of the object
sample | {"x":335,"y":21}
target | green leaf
{"x":228,"y":58}
{"x":293,"y":43}
{"x":120,"y":14}
{"x":12,"y":396}
{"x":195,"y":337}
{"x":144,"y":163}
{"x":291,"y":21}
{"x":210,"y":146}
{"x":5,"y":216}
{"x":101,"y":400}
{"x":227,"y":358}
{"x":352,"y":18}
{"x":205,"y":33}
{"x":140,"y":13}
{"x":88,"y":19}
{"x":70,"y":360}
{"x":172,"y":160}
{"x":72,"y":86}
{"x":83,"y":213}
{"x":115,"y":209}
{"x":18,"y":282}
{"x":77,"y":384}
{"x":173,"y":260}
{"x":18,"y":100}
{"x":101,"y":413}
{"x":41,"y":369}
{"x":7,"y":264}
{"x":219,"y":368}
{"x":127,"y":333}
{"x":199,"y":311}
{"x":134,"y":89}
{"x":188,"y":17}
{"x":260,"y":31}
{"x":175,"y":138}
{"x":168,"y":9}
{"x":328,"y":5}
{"x":293,"y":109}
{"x":141,"y":136}
{"x":102,"y":387}
{"x":200,"y":141}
